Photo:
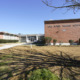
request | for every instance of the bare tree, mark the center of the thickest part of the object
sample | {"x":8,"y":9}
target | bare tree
{"x":69,"y":4}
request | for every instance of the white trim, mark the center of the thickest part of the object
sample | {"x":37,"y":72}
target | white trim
{"x":64,"y":43}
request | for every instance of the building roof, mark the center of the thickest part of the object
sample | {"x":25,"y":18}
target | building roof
{"x":32,"y":35}
{"x":62,"y":21}
{"x":8,"y":33}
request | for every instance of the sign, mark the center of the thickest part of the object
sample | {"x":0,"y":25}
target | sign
{"x":74,"y":25}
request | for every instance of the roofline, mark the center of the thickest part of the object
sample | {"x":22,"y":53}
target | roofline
{"x":32,"y":35}
{"x":63,"y":19}
{"x":8,"y":33}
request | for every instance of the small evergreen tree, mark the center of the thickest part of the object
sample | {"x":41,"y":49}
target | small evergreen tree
{"x":79,"y":41}
{"x":54,"y":41}
{"x":71,"y":42}
{"x":48,"y":40}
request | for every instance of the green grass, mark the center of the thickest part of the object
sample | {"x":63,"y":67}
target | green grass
{"x":5,"y":63}
{"x":4,"y":69}
{"x":5,"y":57}
{"x":2,"y":63}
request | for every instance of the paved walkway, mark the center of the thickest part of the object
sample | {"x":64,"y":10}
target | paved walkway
{"x":6,"y":46}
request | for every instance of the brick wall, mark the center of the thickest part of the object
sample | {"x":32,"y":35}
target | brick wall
{"x":63,"y":30}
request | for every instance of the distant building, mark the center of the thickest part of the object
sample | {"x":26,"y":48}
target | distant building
{"x":30,"y":38}
{"x":8,"y":36}
{"x":63,"y":30}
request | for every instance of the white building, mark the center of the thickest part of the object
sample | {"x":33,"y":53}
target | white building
{"x":8,"y":36}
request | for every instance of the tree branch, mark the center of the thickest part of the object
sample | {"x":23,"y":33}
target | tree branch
{"x":68,"y":6}
{"x":74,"y":5}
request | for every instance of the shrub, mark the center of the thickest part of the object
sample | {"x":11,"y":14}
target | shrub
{"x":79,"y":41}
{"x":8,"y":41}
{"x":40,"y":42}
{"x":42,"y":74}
{"x":54,"y":41}
{"x":71,"y":42}
{"x":48,"y":40}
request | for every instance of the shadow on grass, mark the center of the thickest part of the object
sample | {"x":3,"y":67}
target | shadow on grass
{"x":66,"y":66}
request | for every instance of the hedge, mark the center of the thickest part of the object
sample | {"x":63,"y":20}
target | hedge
{"x":40,"y":42}
{"x":8,"y":41}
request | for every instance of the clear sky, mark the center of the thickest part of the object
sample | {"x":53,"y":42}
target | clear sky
{"x":28,"y":16}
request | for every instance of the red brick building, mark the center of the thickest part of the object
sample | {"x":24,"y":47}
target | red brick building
{"x":63,"y":30}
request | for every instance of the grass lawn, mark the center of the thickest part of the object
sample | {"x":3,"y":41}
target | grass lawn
{"x":18,"y":61}
{"x":1,"y":45}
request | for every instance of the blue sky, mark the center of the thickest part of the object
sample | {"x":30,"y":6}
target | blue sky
{"x":28,"y":16}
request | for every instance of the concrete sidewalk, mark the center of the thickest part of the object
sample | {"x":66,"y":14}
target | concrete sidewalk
{"x":6,"y":46}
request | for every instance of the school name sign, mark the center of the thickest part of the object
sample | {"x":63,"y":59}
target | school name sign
{"x":74,"y":25}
